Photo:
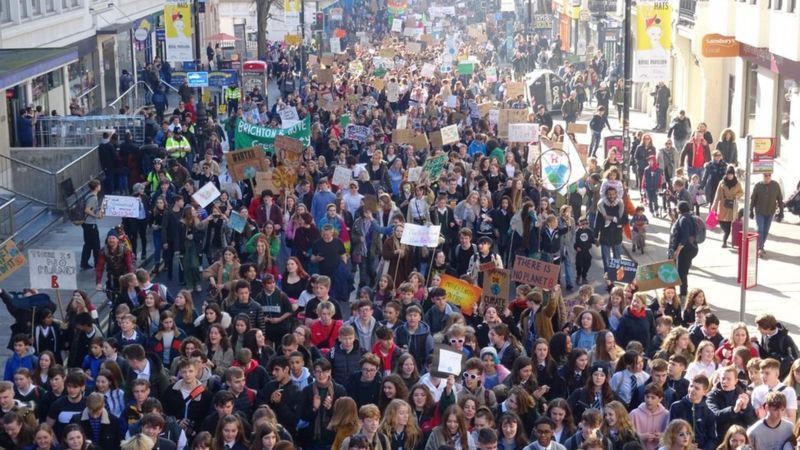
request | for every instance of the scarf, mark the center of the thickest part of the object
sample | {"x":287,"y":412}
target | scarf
{"x":639,"y":314}
{"x":322,"y":411}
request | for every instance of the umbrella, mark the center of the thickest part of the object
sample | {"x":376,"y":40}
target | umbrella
{"x":37,"y":301}
{"x":222,"y":37}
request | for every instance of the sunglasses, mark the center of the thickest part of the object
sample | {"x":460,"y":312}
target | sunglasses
{"x":470,"y":376}
{"x":457,"y":341}
{"x":684,"y":434}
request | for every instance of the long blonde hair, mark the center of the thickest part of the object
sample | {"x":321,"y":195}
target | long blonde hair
{"x":412,"y":431}
{"x":675,"y":427}
{"x":624,"y":424}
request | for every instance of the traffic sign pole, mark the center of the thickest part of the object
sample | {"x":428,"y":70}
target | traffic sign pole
{"x":745,"y":228}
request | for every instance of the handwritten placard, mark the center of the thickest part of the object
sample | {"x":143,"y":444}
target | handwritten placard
{"x":236,"y":222}
{"x":356,"y":133}
{"x":523,"y":132}
{"x":535,"y":272}
{"x":121,"y":206}
{"x":446,"y":361}
{"x":11,"y":259}
{"x":449,"y":134}
{"x":421,"y":235}
{"x":621,"y":270}
{"x":341,"y":176}
{"x":657,"y":275}
{"x":206,"y":194}
{"x":52,"y":269}
{"x":461,"y":293}
{"x":496,"y":288}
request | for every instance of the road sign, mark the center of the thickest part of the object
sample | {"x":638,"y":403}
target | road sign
{"x":748,"y":261}
{"x":197,"y":79}
{"x":763,"y":148}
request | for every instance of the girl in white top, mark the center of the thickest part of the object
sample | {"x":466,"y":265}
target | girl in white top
{"x":703,"y":361}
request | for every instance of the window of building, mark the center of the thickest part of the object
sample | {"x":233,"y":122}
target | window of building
{"x":783,"y":109}
{"x":36,"y":7}
{"x":5,"y":11}
{"x":791,"y":5}
{"x":24,"y":11}
{"x":778,"y":5}
{"x":49,"y":6}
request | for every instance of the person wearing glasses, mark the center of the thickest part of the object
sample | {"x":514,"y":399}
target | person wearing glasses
{"x":678,"y":436}
{"x":543,"y":429}
{"x":316,"y":405}
{"x":471,"y":382}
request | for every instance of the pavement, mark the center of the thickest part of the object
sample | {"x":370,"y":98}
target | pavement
{"x":714,"y":269}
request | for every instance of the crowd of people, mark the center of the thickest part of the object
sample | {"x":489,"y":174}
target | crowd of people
{"x":313,"y":326}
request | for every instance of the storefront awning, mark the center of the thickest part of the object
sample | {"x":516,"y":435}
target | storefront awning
{"x":18,"y":65}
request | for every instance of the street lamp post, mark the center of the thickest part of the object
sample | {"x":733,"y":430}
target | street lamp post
{"x":200,"y":109}
{"x":626,"y":93}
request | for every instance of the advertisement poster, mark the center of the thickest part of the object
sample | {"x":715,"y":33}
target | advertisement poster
{"x":653,"y":42}
{"x":178,"y":31}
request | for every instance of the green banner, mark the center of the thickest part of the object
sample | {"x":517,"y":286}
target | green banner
{"x":251,"y":135}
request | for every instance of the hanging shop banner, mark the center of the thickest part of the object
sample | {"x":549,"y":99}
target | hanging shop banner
{"x":251,"y":135}
{"x":178,"y":31}
{"x":651,"y":58}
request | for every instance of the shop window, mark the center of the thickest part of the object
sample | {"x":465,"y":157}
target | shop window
{"x":49,"y":6}
{"x":5,"y":11}
{"x":36,"y":7}
{"x":24,"y":11}
{"x":783,"y":109}
{"x":752,"y":97}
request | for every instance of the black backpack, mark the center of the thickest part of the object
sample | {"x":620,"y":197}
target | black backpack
{"x":77,"y":212}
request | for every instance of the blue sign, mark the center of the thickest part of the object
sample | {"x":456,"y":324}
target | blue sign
{"x":161,"y":35}
{"x":197,"y":79}
{"x":222,"y":78}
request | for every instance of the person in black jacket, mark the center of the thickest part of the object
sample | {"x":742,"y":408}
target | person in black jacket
{"x":776,"y":343}
{"x":708,"y":332}
{"x":729,"y":401}
{"x":365,"y":386}
{"x":584,"y":238}
{"x":693,"y":409}
{"x":683,"y":243}
{"x":104,"y":435}
{"x":637,"y":323}
{"x":608,"y":224}
{"x":187,"y":400}
{"x":281,"y":394}
{"x":140,"y":362}
{"x":223,"y":406}
{"x":316,"y":405}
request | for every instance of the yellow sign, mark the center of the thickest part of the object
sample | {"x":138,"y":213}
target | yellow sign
{"x":178,"y":32}
{"x":292,"y":39}
{"x":11,"y":259}
{"x":651,"y":58}
{"x":461,"y":293}
{"x":291,"y":6}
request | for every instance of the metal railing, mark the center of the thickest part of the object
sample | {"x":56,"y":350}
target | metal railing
{"x":44,"y":186}
{"x":7,"y":228}
{"x":686,"y":11}
{"x":169,"y":86}
{"x":135,"y":98}
{"x":86,"y":131}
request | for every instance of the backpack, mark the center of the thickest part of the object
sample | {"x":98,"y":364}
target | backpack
{"x":77,"y":212}
{"x":699,"y":229}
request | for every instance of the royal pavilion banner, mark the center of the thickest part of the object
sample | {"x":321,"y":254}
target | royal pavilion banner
{"x":651,"y":59}
{"x":252,"y":135}
{"x":178,"y":31}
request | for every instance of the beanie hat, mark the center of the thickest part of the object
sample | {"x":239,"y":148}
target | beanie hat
{"x":490,"y":351}
{"x":112,"y":233}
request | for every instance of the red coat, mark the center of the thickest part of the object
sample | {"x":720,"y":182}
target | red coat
{"x":324,"y":337}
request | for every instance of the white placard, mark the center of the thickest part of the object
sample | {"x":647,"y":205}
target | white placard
{"x":414,"y":173}
{"x":452,"y":101}
{"x":523,"y":132}
{"x":402,"y":122}
{"x":427,"y":70}
{"x":206,"y":194}
{"x":397,"y":25}
{"x":53,"y":269}
{"x":449,"y":134}
{"x":393,"y":92}
{"x":421,"y":235}
{"x":494,"y":116}
{"x":288,"y":113}
{"x":121,"y":206}
{"x":336,"y":45}
{"x":341,"y":176}
{"x":449,"y":362}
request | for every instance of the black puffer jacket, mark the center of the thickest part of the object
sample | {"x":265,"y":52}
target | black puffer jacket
{"x":779,"y":346}
{"x":345,"y":363}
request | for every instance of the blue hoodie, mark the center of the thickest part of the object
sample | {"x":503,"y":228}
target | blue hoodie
{"x":15,"y":362}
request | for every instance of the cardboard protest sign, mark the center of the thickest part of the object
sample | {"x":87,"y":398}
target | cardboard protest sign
{"x":509,"y":116}
{"x":421,"y":235}
{"x":436,"y":139}
{"x":484,"y":108}
{"x":206,"y":194}
{"x":284,"y":177}
{"x":487,"y":266}
{"x":288,"y":113}
{"x":341,"y":176}
{"x":404,"y":136}
{"x":356,"y":133}
{"x":236,"y":222}
{"x":446,"y":361}
{"x":433,"y":166}
{"x":378,"y":84}
{"x":496,"y":288}
{"x":52,"y":269}
{"x":289,"y":150}
{"x":393,"y":92}
{"x":577,"y":128}
{"x":449,"y":134}
{"x":535,"y":272}
{"x":121,"y":206}
{"x":621,"y":270}
{"x":461,"y":293}
{"x":427,"y":70}
{"x":414,"y":47}
{"x":514,"y":89}
{"x":264,"y":180}
{"x":523,"y":132}
{"x":326,"y":59}
{"x":325,"y":76}
{"x":243,"y":164}
{"x":11,"y":259}
{"x":657,"y":275}
{"x":420,"y":141}
{"x":402,"y":122}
